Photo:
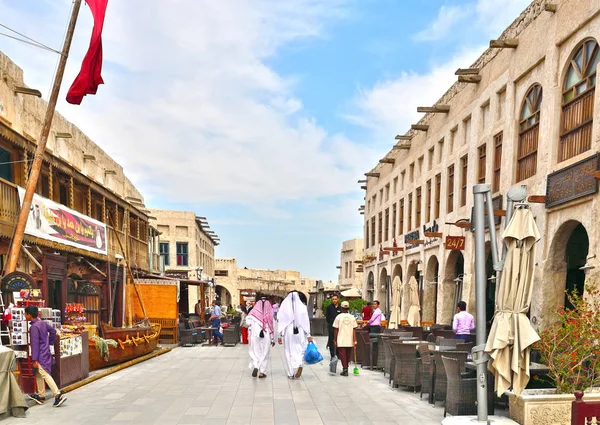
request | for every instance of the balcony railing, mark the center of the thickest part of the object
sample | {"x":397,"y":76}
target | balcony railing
{"x":9,"y":203}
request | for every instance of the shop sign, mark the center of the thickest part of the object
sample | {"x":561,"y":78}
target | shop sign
{"x":57,"y":223}
{"x":455,"y":243}
{"x":572,"y":182}
{"x":434,"y":228}
{"x":248,"y":293}
{"x":411,"y":236}
{"x":177,"y":274}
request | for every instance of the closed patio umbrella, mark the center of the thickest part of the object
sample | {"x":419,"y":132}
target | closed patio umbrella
{"x":414,"y":317}
{"x":512,"y":335}
{"x":395,"y":310}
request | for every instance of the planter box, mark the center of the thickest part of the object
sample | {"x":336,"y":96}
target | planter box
{"x":544,"y":407}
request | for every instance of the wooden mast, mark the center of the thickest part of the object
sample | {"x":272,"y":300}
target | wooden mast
{"x":36,"y":166}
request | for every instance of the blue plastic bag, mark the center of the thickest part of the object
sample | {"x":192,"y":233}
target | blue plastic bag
{"x":312,"y":355}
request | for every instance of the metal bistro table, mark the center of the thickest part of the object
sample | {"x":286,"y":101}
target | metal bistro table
{"x":534,"y":369}
{"x":209,"y":330}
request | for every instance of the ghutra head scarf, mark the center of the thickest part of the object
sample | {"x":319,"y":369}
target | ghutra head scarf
{"x":263,"y":313}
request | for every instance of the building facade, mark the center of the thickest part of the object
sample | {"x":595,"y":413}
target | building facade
{"x":87,"y":215}
{"x":351,"y":271}
{"x":239,"y":285}
{"x":187,"y":248}
{"x":525,"y":113}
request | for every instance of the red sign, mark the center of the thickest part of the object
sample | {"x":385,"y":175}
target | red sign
{"x":455,"y":242}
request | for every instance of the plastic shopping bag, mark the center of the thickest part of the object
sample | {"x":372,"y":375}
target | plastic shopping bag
{"x":312,"y":355}
{"x":333,"y":365}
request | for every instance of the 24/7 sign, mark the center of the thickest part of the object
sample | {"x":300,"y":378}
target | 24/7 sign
{"x":455,"y":243}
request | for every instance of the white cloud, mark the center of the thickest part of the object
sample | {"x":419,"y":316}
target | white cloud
{"x":447,"y":18}
{"x":390,"y":107}
{"x":489,"y":17}
{"x":191,"y":106}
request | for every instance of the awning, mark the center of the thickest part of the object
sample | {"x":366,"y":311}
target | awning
{"x":351,"y":293}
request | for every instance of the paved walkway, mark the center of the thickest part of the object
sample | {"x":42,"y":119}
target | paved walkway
{"x":208,"y":385}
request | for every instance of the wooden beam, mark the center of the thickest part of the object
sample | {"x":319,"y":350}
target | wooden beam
{"x":27,"y":91}
{"x":372,"y":174}
{"x":394,"y":248}
{"x":442,"y":109}
{"x":550,"y":7}
{"x":597,"y":175}
{"x":362,"y":213}
{"x":467,"y":71}
{"x":416,"y":242}
{"x":404,"y":137}
{"x":87,"y":157}
{"x":497,"y":213}
{"x":509,"y":43}
{"x":338,"y":267}
{"x":536,"y":199}
{"x":469,"y":78}
{"x":363,"y":187}
{"x":433,"y":234}
{"x":362,"y":181}
{"x":402,"y":146}
{"x":387,"y":161}
{"x":463,"y":224}
{"x":420,"y":127}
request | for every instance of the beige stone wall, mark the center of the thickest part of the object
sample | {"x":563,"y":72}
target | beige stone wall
{"x":269,"y":281}
{"x":25,"y":114}
{"x":349,"y":277}
{"x":546,"y":42}
{"x":182,"y":226}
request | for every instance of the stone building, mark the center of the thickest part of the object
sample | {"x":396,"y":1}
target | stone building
{"x":351,"y":271}
{"x":187,"y":247}
{"x":523,"y":114}
{"x":243,"y":284}
{"x":87,"y":214}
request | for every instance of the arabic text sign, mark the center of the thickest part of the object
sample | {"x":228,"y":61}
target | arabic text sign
{"x":57,"y":223}
{"x":572,"y":182}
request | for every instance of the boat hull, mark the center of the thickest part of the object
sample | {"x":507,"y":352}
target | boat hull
{"x":131,"y":343}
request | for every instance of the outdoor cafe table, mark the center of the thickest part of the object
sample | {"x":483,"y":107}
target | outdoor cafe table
{"x":208,"y":331}
{"x":534,"y":369}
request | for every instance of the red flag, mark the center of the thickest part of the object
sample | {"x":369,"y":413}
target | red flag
{"x":89,"y":77}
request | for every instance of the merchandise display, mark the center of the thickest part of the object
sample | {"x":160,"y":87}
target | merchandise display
{"x":70,"y":346}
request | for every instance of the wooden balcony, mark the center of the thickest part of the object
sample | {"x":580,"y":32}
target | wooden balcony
{"x":9,"y":207}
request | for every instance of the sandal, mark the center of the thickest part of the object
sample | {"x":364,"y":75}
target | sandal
{"x":262,"y":375}
{"x":254,"y":372}
{"x":298,"y":372}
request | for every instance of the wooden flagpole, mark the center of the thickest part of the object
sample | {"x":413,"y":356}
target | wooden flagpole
{"x":36,"y":166}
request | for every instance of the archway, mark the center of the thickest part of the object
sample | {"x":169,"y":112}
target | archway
{"x":430,"y":288}
{"x":567,"y":254}
{"x":371,"y":287}
{"x":453,"y":284}
{"x":382,"y":290}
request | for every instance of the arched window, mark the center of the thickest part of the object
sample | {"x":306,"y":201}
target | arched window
{"x":529,"y":129}
{"x":578,"y":101}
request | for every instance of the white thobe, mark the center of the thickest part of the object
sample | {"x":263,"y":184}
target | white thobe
{"x":294,"y":346}
{"x":260,"y":348}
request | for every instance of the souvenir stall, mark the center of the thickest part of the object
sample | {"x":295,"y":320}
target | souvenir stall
{"x":70,"y":348}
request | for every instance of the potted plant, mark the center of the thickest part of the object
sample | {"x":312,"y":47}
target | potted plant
{"x":571,"y":350}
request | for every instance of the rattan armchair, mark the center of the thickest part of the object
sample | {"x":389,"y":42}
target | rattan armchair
{"x":416,"y":331}
{"x":441,"y":380}
{"x":461,"y":394}
{"x":187,"y":336}
{"x":380,"y":363}
{"x":231,"y":335}
{"x":407,"y":369}
{"x":367,"y":349}
{"x":425,"y":368}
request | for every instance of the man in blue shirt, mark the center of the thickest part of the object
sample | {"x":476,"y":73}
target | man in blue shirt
{"x":215,"y":319}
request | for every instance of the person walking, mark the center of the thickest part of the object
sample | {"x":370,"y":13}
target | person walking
{"x":463,"y":322}
{"x":331,"y":313}
{"x":215,"y":322}
{"x":262,"y":337}
{"x":374,"y":323}
{"x":294,"y":332}
{"x":42,"y":336}
{"x":344,"y":336}
{"x":275,"y":310}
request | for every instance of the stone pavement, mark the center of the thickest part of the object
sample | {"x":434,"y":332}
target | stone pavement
{"x":208,"y":385}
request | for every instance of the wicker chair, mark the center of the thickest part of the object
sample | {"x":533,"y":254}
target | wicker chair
{"x":446,"y":343}
{"x":366,"y":344}
{"x":199,"y":335}
{"x":444,"y":333}
{"x":461,"y":394}
{"x":416,"y":331}
{"x":402,"y":334}
{"x":360,"y":348}
{"x":407,"y":370}
{"x":441,"y":380}
{"x":464,"y":346}
{"x":386,"y":349}
{"x":380,"y":363}
{"x":187,"y":336}
{"x":425,"y":367}
{"x":231,"y":335}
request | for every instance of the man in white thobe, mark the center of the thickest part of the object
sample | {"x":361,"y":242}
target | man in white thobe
{"x":294,"y":332}
{"x":262,"y":337}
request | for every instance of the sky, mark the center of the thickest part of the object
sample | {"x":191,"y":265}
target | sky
{"x":259,"y":115}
